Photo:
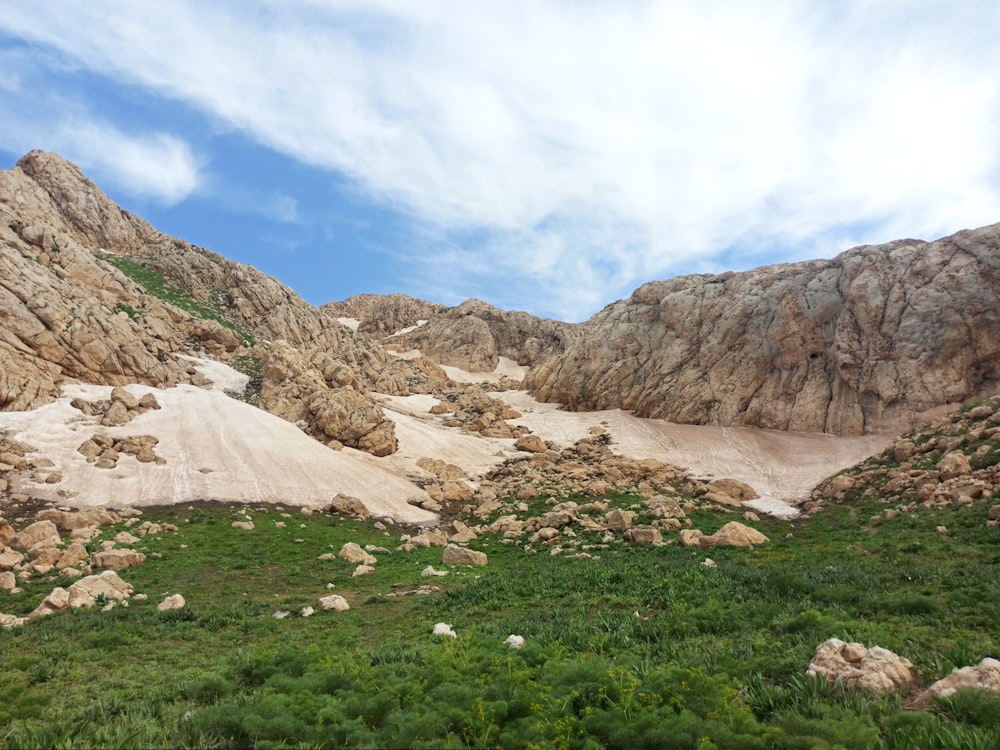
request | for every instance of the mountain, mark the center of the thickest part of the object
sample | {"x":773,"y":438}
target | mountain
{"x":872,"y":341}
{"x":91,"y":293}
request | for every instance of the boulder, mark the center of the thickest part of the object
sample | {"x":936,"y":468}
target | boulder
{"x":353,"y":553}
{"x":10,"y":559}
{"x":644,"y":535}
{"x":349,"y":507}
{"x":455,"y":555}
{"x":531,"y":444}
{"x":859,"y":668}
{"x":174,"y":601}
{"x":118,"y":559}
{"x":733,"y":534}
{"x":75,"y":554}
{"x":39,"y":534}
{"x":734,"y":488}
{"x":56,"y":601}
{"x":984,"y":676}
{"x":619,"y":520}
{"x":335,"y":602}
{"x":691,"y":537}
{"x":954,"y":464}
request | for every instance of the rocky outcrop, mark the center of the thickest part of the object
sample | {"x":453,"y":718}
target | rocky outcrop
{"x":90,"y":293}
{"x":866,"y":342}
{"x":332,"y":404}
{"x":950,"y":462}
{"x":381,"y":315}
{"x":471,"y":336}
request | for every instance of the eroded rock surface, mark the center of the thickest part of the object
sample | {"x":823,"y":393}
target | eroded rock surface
{"x":866,"y":342}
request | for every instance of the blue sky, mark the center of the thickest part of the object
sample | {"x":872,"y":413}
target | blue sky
{"x":542,"y":155}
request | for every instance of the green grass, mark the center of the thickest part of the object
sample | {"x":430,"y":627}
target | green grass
{"x":156,"y":284}
{"x":643,"y":647}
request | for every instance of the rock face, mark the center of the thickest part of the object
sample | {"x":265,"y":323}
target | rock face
{"x":471,"y":336}
{"x":380,"y":315}
{"x":71,"y":313}
{"x":866,"y":342}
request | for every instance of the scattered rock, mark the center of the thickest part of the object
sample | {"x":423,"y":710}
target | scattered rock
{"x":352,"y":553}
{"x":984,"y":676}
{"x":118,"y":559}
{"x":455,"y":555}
{"x":851,"y":664}
{"x":443,"y":628}
{"x":335,"y":602}
{"x":174,"y":601}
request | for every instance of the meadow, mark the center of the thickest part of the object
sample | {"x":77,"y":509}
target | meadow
{"x":634,"y":647}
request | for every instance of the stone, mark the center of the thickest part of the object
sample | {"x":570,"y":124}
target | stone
{"x":75,"y":554}
{"x":174,"y":601}
{"x":619,"y":520}
{"x":455,"y":555}
{"x":352,"y":552}
{"x":117,"y":559}
{"x":40,"y":533}
{"x":661,"y":506}
{"x":954,"y":464}
{"x":644,"y":535}
{"x":984,"y":676}
{"x":444,"y":629}
{"x":733,"y":534}
{"x":859,"y":668}
{"x":430,"y":571}
{"x":243,"y":525}
{"x":457,"y":491}
{"x":691,"y":537}
{"x":10,"y":559}
{"x":56,"y":601}
{"x":362,"y":570}
{"x":335,"y":602}
{"x":531,"y":444}
{"x":734,"y":488}
{"x":349,"y":507}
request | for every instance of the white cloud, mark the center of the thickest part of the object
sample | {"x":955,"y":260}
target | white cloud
{"x":157,"y":165}
{"x":590,"y":146}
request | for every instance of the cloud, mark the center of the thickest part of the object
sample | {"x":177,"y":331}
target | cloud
{"x":583,"y":148}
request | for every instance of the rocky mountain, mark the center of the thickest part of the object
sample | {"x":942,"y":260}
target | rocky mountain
{"x":93,"y":294}
{"x":472,"y":336}
{"x":870,"y":341}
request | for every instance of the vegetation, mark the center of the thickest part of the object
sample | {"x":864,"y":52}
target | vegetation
{"x":156,"y":284}
{"x":638,"y":646}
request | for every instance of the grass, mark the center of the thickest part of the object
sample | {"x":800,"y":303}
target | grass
{"x":156,"y":284}
{"x":643,"y":647}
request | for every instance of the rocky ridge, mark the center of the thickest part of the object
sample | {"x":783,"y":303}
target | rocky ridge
{"x":472,"y":336}
{"x":870,"y":341}
{"x":91,"y":293}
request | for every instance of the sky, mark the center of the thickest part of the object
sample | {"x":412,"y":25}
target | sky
{"x":541,"y":155}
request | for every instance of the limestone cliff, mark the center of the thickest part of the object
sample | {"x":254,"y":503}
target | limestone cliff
{"x":866,"y":342}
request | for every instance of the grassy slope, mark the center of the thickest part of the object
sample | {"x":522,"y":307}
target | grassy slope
{"x":642,"y":647}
